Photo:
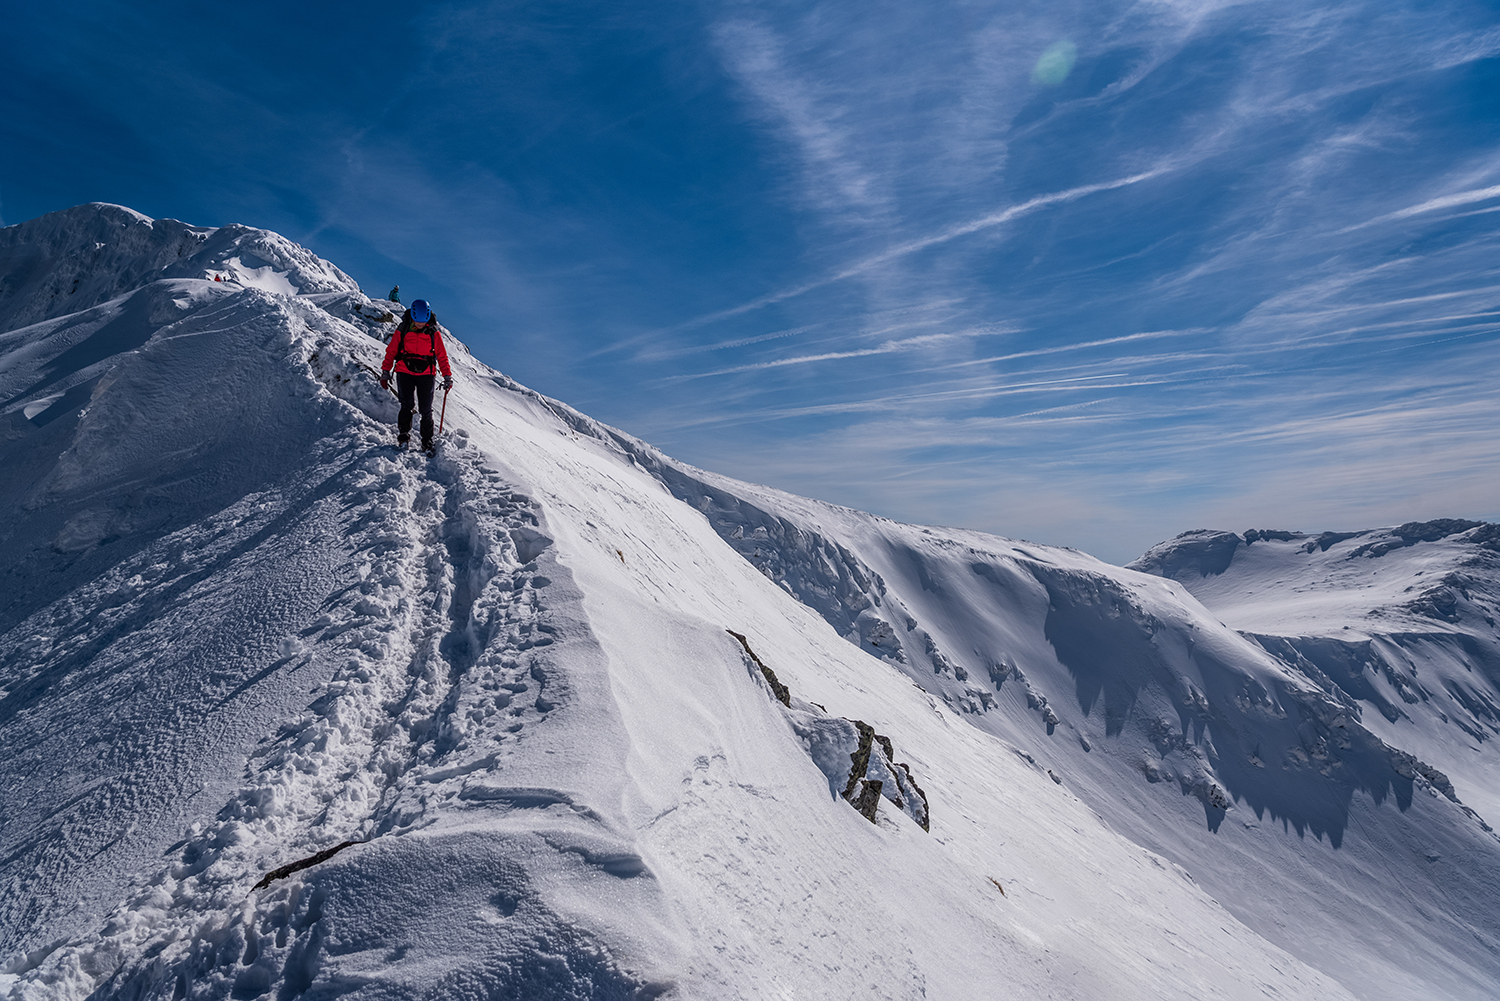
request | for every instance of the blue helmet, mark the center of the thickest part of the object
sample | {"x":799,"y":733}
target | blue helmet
{"x":420,"y":312}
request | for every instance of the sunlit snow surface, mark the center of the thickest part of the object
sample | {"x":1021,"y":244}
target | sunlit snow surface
{"x":238,"y":628}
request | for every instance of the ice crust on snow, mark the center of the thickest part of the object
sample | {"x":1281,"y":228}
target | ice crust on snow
{"x":237,"y":630}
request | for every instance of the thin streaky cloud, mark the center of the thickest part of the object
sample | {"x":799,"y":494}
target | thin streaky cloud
{"x":1313,"y":342}
{"x":1465,"y":215}
{"x":883,"y":404}
{"x":889,"y":347}
{"x":740,"y":342}
{"x":1199,"y":373}
{"x":1283,"y":317}
{"x":967,"y":392}
{"x":1065,"y":408}
{"x":836,"y":181}
{"x":1469,"y":49}
{"x":925,"y":307}
{"x":1445,"y":318}
{"x":900,"y":250}
{"x":1431,"y":205}
{"x":1430,"y":343}
{"x":1378,"y":426}
{"x":1059,"y":348}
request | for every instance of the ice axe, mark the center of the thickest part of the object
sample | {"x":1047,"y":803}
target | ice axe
{"x":444,"y":415}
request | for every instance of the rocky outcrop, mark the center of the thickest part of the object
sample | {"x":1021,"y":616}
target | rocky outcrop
{"x":1414,"y":532}
{"x":876,"y":757}
{"x":860,"y":764}
{"x":782,"y":693}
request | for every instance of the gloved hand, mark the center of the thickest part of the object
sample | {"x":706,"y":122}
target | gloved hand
{"x":447,"y":383}
{"x":385,"y":380}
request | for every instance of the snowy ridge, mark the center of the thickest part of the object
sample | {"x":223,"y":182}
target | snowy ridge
{"x":238,"y":629}
{"x":363,"y":740}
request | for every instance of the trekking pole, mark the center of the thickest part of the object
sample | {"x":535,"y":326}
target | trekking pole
{"x":444,"y":415}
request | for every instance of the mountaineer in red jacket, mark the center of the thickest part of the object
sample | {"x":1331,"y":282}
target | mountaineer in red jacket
{"x":415,"y":350}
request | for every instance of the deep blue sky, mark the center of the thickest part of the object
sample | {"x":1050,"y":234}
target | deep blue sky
{"x":1088,"y":273}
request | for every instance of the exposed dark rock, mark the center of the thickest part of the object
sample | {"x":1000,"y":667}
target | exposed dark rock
{"x":1341,"y":668}
{"x":868,"y":800}
{"x":1441,"y":601}
{"x":1254,"y":535}
{"x":999,"y":671}
{"x":783,"y":693}
{"x":1410,"y":766}
{"x":859,"y":789}
{"x":300,"y":864}
{"x":1327,"y":539}
{"x":860,"y":759}
{"x":1432,"y":531}
{"x":1487,"y":537}
{"x":1414,"y":532}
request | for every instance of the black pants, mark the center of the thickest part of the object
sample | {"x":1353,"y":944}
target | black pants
{"x":419,"y":387}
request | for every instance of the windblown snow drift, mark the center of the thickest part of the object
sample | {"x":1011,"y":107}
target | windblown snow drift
{"x":285,"y":713}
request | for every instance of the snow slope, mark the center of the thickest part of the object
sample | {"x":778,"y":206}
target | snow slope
{"x":239,"y":631}
{"x":1311,"y":824}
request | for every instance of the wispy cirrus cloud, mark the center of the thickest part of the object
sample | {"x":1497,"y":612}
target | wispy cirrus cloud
{"x":885,"y":348}
{"x":835,"y":181}
{"x":1455,"y":200}
{"x":1239,"y":260}
{"x":662,"y":354}
{"x":906,"y":248}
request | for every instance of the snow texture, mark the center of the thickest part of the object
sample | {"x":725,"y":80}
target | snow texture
{"x":239,"y":630}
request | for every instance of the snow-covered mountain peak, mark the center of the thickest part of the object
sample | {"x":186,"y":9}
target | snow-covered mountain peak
{"x":288,"y":713}
{"x":71,"y":260}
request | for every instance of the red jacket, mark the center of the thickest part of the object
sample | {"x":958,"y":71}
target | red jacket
{"x":414,"y":348}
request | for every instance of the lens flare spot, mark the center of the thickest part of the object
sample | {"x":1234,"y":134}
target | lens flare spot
{"x":1055,"y":64}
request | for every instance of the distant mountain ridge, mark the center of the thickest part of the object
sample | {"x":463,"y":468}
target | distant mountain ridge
{"x":1206,"y":552}
{"x":1403,"y":620}
{"x":581,"y":717}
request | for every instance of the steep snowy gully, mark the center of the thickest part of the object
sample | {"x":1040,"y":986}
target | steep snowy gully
{"x":287,"y":713}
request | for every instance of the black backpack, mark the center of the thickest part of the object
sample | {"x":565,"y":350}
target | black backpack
{"x":416,"y":364}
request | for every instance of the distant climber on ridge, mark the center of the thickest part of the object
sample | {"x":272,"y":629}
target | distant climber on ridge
{"x":416,"y":347}
{"x":395,"y":295}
